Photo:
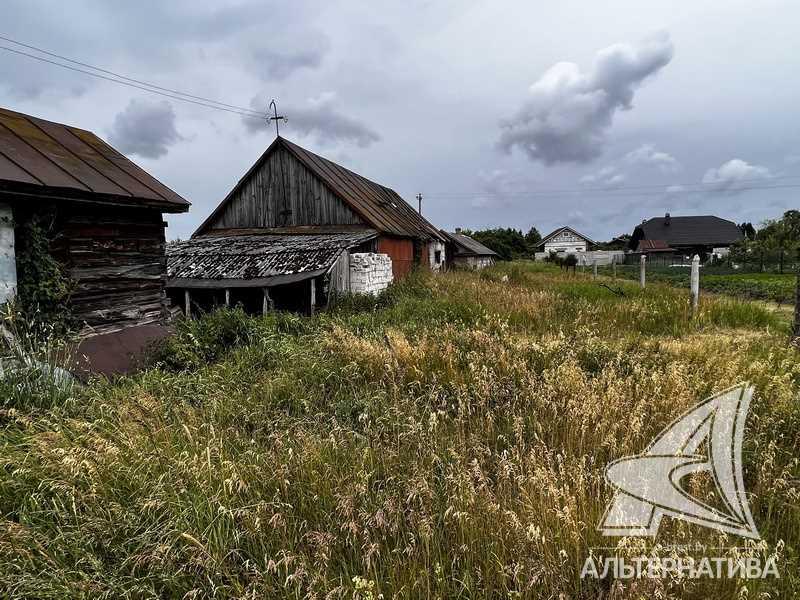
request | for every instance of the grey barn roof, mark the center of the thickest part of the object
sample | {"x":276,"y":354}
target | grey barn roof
{"x":380,"y":207}
{"x":257,"y":259}
{"x":703,"y":230}
{"x":469,"y":247}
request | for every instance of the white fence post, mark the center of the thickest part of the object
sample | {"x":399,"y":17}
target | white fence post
{"x":694,"y":282}
{"x":642,"y":260}
{"x":594,"y":269}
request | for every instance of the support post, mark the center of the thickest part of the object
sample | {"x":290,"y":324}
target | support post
{"x":313,"y":304}
{"x":187,"y":304}
{"x":614,"y":267}
{"x":227,"y":297}
{"x":694,"y":282}
{"x":642,"y":261}
{"x":267,"y":305}
{"x":594,"y":269}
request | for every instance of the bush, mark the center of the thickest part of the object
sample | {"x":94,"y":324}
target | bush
{"x":200,"y":341}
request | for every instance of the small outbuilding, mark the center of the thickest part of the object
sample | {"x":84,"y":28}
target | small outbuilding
{"x":102,"y":220}
{"x":297,"y":230}
{"x":466,"y":252}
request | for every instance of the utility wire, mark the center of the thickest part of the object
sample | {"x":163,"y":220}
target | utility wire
{"x":118,"y":75}
{"x":661,"y":187}
{"x":245,"y":112}
{"x":613,"y":194}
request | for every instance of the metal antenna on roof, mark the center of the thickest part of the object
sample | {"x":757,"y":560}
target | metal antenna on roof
{"x":276,"y":117}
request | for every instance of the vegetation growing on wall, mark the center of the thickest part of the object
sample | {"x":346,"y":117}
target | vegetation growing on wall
{"x":43,"y":287}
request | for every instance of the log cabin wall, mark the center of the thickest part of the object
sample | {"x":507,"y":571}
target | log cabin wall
{"x":115,"y":257}
{"x":284,"y":193}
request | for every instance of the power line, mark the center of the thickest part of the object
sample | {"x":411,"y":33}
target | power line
{"x":613,"y":191}
{"x":133,"y":83}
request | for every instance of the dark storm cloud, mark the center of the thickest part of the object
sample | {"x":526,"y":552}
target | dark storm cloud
{"x":146,"y":129}
{"x":568,"y":113}
{"x":318,"y":118}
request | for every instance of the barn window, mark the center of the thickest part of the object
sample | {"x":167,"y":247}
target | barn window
{"x":437,"y":256}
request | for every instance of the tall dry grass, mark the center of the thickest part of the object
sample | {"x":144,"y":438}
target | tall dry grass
{"x":448,"y":440}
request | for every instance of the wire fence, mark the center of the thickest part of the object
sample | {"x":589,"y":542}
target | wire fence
{"x":753,"y":261}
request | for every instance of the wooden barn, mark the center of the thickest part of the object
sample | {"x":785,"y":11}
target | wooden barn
{"x":102,"y":215}
{"x":301,"y":228}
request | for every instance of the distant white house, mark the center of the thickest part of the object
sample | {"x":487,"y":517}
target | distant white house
{"x":565,"y":240}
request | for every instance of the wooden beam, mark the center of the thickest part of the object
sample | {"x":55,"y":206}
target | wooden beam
{"x":313,"y":295}
{"x":267,"y":306}
{"x":227,"y":296}
{"x":187,"y":304}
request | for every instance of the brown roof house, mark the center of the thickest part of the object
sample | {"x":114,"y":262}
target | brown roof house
{"x":297,"y":230}
{"x":102,"y":216}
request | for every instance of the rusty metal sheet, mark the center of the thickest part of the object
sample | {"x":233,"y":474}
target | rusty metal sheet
{"x":10,"y":171}
{"x":100,"y":174}
{"x":61,"y":157}
{"x":53,"y":155}
{"x":136,"y":172}
{"x":29,"y":159}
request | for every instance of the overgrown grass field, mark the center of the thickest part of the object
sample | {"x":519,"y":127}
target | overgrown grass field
{"x":446,"y":440}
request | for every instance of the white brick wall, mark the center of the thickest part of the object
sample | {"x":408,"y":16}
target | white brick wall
{"x":369,"y":272}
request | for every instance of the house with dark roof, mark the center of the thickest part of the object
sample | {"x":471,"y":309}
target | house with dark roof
{"x":565,"y":240}
{"x":298,"y":229}
{"x":466,"y":252}
{"x":697,"y":234}
{"x":102,"y":220}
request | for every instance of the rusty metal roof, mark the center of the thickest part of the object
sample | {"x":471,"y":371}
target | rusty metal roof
{"x":44,"y":158}
{"x":257,"y":257}
{"x":381,"y":207}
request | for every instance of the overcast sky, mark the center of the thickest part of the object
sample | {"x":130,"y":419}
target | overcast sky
{"x":589,"y":114}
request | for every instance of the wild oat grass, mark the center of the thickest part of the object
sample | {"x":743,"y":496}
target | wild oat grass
{"x":447,"y":440}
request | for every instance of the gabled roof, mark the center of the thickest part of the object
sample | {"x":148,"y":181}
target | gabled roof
{"x":44,"y":158}
{"x":380,"y":207}
{"x":257,"y":259}
{"x":555,"y":232}
{"x":705,"y":230}
{"x":467,"y":246}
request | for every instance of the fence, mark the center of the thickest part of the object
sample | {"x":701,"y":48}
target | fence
{"x":754,"y":261}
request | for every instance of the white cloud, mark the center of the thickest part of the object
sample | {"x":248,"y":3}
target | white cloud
{"x":735,"y":175}
{"x":607,"y":178}
{"x":145,"y":128}
{"x":792,"y":159}
{"x":675,"y":189}
{"x":568,"y":113}
{"x":319,"y":118}
{"x":647,"y":155}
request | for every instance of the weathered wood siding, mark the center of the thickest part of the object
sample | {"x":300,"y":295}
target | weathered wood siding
{"x":284,"y":193}
{"x":401,"y":251}
{"x":115,"y":257}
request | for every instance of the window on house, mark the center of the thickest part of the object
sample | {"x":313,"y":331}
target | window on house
{"x":437,"y":256}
